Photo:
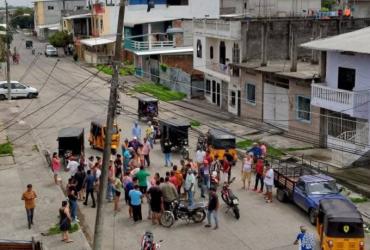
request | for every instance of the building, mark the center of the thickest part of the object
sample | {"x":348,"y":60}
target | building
{"x":342,"y":94}
{"x":48,"y":14}
{"x":254,"y":69}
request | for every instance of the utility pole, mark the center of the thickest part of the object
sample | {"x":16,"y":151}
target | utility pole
{"x":99,"y":222}
{"x":7,"y":50}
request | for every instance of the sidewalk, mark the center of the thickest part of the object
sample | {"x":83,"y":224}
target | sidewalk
{"x":30,"y":167}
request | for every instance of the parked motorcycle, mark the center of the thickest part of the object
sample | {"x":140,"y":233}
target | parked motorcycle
{"x":178,"y":210}
{"x":230,"y":199}
{"x":202,"y":142}
{"x":147,"y":242}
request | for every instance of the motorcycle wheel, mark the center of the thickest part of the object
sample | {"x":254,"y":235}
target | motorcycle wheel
{"x":236,"y":212}
{"x":167,"y":219}
{"x":185,"y":154}
{"x":199,"y":216}
{"x":224,"y":198}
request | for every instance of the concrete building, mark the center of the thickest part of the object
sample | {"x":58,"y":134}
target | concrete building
{"x":342,"y":94}
{"x":254,"y":69}
{"x":48,"y":14}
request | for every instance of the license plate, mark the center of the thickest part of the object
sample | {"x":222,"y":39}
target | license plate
{"x":235,"y":201}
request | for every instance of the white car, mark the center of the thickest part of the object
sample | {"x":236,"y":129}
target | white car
{"x":50,"y":50}
{"x":17,"y":90}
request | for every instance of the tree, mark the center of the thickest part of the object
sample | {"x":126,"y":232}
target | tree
{"x":23,"y":17}
{"x":60,"y":39}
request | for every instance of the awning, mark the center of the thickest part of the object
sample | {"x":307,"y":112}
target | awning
{"x":179,"y":50}
{"x":77,"y":16}
{"x":55,"y":26}
{"x":98,"y":41}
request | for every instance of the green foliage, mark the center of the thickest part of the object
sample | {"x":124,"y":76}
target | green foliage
{"x":244,"y":144}
{"x":323,"y":9}
{"x":327,"y":5}
{"x":55,"y":229}
{"x":5,"y":38}
{"x":159,"y":91}
{"x":359,"y":199}
{"x":23,"y":17}
{"x":194,"y":123}
{"x":163,"y":67}
{"x":106,"y":69}
{"x":6,"y":149}
{"x":127,"y":70}
{"x":60,"y":39}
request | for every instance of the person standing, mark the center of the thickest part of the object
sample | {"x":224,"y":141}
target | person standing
{"x":225,"y":169}
{"x":142,"y":177}
{"x":306,"y":240}
{"x":72,"y":198}
{"x":72,"y":167}
{"x":259,"y":175}
{"x":180,"y":178}
{"x":55,"y":166}
{"x":247,"y":170}
{"x":149,"y":133}
{"x":156,"y":202}
{"x":136,"y":199}
{"x":80,"y":178}
{"x":136,"y":131}
{"x":190,"y":186}
{"x":29,"y":197}
{"x":230,"y":158}
{"x":167,"y":148}
{"x":117,"y":193}
{"x":213,"y":206}
{"x":118,"y":167}
{"x":89,"y":185}
{"x":269,"y":182}
{"x":111,"y":178}
{"x":199,"y":156}
{"x":169,"y":192}
{"x":145,"y":151}
{"x":65,"y":221}
{"x":205,"y":178}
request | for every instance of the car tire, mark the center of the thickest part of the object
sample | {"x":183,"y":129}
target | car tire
{"x":2,"y":97}
{"x":30,"y":96}
{"x":312,"y":216}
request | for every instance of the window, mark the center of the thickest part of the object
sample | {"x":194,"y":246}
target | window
{"x":50,"y":7}
{"x":250,"y":90}
{"x":233,"y":98}
{"x":304,"y":108}
{"x":346,"y":78}
{"x":236,"y":53}
{"x":178,"y":2}
{"x":301,"y":186}
{"x":101,"y":24}
{"x":222,"y":52}
{"x":211,"y":52}
{"x":208,"y":87}
{"x":199,"y":49}
{"x":79,"y":7}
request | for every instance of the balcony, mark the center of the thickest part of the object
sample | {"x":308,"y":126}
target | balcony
{"x":218,"y":29}
{"x":133,"y":45}
{"x":351,"y":103}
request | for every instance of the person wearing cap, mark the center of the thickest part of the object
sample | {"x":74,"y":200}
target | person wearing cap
{"x":306,"y":240}
{"x":269,"y":182}
{"x":213,"y":206}
{"x":136,"y":131}
{"x":29,"y":197}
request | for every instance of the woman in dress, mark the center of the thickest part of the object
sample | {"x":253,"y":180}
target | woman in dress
{"x":55,"y":166}
{"x":65,"y":221}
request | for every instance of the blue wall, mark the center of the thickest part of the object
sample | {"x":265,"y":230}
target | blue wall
{"x":136,"y":2}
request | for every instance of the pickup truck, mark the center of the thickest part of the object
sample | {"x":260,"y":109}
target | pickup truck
{"x":305,"y":188}
{"x":21,"y":245}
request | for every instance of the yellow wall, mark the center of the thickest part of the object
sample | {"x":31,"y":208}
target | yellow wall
{"x":39,"y":13}
{"x":67,"y":25}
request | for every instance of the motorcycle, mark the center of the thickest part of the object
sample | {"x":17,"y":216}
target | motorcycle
{"x":230,"y":199}
{"x":202,"y":142}
{"x":195,"y":213}
{"x":147,"y":242}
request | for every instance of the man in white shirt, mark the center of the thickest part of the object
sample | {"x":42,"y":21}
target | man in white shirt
{"x":199,"y":156}
{"x":72,"y":167}
{"x":269,"y":182}
{"x":190,"y":186}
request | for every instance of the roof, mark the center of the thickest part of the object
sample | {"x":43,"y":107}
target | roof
{"x":49,"y":26}
{"x":131,"y":19}
{"x":219,"y":134}
{"x":340,"y":210}
{"x":70,"y":132}
{"x":147,"y":99}
{"x":98,"y":41}
{"x":99,"y":122}
{"x":173,"y":121}
{"x":178,"y":50}
{"x":316,"y":178}
{"x":77,"y":16}
{"x":356,"y":41}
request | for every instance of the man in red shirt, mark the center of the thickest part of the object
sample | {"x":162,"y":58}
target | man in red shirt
{"x":173,"y":180}
{"x":259,"y":174}
{"x":225,"y":170}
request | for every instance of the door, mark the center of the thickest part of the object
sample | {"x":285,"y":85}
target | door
{"x":222,"y":53}
{"x":20,"y":90}
{"x":214,"y":91}
{"x":218,"y":94}
{"x":299,"y":195}
{"x":276,"y":106}
{"x":14,"y":92}
{"x":239,"y":102}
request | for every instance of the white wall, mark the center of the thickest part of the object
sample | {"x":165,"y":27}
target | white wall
{"x":360,"y":62}
{"x":199,"y":63}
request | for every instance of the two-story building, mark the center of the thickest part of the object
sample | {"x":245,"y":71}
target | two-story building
{"x":342,"y":94}
{"x":48,"y":14}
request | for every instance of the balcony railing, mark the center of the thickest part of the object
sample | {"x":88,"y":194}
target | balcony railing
{"x":218,"y":67}
{"x":218,"y":29}
{"x":146,"y":45}
{"x":348,"y":102}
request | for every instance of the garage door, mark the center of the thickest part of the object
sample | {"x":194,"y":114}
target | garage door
{"x":276,"y":106}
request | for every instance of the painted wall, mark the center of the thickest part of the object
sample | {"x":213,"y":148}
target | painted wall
{"x":250,"y":110}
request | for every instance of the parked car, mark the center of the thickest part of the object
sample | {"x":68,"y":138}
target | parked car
{"x":50,"y":50}
{"x":17,"y":90}
{"x":305,"y":188}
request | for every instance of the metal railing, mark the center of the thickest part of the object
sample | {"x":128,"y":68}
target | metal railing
{"x":146,"y":45}
{"x":218,"y":67}
{"x":218,"y":28}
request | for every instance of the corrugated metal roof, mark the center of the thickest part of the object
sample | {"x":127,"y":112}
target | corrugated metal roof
{"x":98,"y":41}
{"x":356,"y":41}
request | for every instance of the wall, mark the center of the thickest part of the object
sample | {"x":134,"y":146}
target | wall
{"x":39,"y":14}
{"x":183,"y":62}
{"x":176,"y":79}
{"x":361,"y":9}
{"x":248,"y":110}
{"x":309,"y":129}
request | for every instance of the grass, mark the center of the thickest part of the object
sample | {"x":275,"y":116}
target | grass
{"x":244,"y":144}
{"x":6,"y":149}
{"x":125,"y":71}
{"x":55,"y":229}
{"x":159,"y":91}
{"x":274,"y":152}
{"x":194,"y":123}
{"x":359,"y":199}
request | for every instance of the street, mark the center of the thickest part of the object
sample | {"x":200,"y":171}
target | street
{"x":70,"y":96}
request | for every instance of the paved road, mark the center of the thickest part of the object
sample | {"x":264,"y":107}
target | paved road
{"x":261,"y":226}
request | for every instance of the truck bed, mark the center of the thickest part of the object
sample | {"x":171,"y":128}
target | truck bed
{"x":287,"y":176}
